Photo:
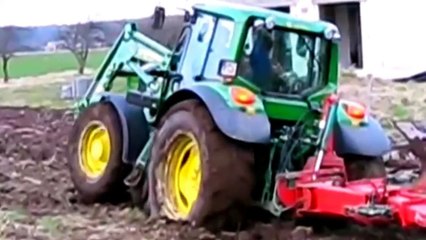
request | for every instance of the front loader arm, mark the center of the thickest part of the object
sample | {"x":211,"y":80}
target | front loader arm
{"x":131,"y":55}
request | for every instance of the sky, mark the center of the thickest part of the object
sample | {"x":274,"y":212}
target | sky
{"x":27,"y":13}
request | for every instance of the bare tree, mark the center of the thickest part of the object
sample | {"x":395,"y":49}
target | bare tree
{"x":79,"y":39}
{"x":7,"y":37}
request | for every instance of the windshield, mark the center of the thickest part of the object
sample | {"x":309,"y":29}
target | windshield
{"x":284,"y":62}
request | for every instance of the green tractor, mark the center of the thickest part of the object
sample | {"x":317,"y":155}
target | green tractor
{"x":235,"y":116}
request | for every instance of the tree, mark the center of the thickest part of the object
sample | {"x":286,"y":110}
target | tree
{"x":79,"y":39}
{"x":7,"y":37}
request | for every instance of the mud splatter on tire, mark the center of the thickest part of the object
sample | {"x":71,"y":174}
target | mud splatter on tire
{"x":226,"y":167}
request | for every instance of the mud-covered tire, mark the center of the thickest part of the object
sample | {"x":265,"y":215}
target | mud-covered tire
{"x":359,"y":167}
{"x":227,"y":168}
{"x":109,"y":187}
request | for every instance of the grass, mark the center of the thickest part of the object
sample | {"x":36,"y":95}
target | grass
{"x":40,"y":64}
{"x":44,"y":95}
{"x":35,"y":96}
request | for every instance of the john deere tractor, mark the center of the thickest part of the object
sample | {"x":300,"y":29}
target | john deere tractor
{"x":245,"y":102}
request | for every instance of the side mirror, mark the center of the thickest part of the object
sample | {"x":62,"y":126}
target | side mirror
{"x":159,"y":17}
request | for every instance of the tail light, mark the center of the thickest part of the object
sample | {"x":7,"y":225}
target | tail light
{"x":354,"y":110}
{"x":242,"y":96}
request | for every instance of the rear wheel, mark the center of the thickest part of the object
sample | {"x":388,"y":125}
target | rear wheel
{"x":94,"y":155}
{"x":360,"y":167}
{"x":196,"y":173}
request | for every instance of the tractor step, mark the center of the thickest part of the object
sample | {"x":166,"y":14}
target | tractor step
{"x":135,"y":176}
{"x":139,"y":99}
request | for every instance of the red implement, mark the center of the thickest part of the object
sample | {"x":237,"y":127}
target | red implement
{"x":322,"y":189}
{"x":368,"y":201}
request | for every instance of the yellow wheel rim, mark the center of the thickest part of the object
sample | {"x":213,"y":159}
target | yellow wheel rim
{"x":95,"y":149}
{"x":183,"y":175}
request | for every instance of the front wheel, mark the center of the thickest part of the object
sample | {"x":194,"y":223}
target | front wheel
{"x":94,"y":155}
{"x":196,"y":173}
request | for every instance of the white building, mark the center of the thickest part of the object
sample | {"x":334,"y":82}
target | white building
{"x":383,"y":37}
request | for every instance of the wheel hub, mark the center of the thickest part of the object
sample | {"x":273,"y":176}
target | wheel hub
{"x":95,"y":149}
{"x":183,"y":175}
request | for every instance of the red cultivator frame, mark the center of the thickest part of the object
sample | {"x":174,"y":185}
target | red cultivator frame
{"x":369,"y":201}
{"x":322,"y":189}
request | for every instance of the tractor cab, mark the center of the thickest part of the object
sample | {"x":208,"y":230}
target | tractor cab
{"x":204,"y":46}
{"x":292,"y":64}
{"x":284,"y":60}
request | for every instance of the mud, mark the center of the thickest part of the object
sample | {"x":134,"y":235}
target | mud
{"x":37,"y":200}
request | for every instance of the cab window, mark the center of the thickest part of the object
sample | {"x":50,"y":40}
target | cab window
{"x":220,"y":47}
{"x":283,"y":61}
{"x":202,"y":32}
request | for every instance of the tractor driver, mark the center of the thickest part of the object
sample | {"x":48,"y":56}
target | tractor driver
{"x":268,"y":72}
{"x":260,"y":62}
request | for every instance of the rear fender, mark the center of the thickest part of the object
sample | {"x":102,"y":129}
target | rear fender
{"x":233,"y":122}
{"x":369,"y":140}
{"x":134,"y":126}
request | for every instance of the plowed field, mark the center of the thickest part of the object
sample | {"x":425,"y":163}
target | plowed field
{"x":37,"y":200}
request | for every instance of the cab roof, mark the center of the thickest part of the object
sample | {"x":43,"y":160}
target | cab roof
{"x":240,"y":13}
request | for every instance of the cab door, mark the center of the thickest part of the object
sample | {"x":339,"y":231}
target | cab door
{"x":192,"y":62}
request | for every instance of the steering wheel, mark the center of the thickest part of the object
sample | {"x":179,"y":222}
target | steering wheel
{"x":298,"y":85}
{"x":292,"y":83}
